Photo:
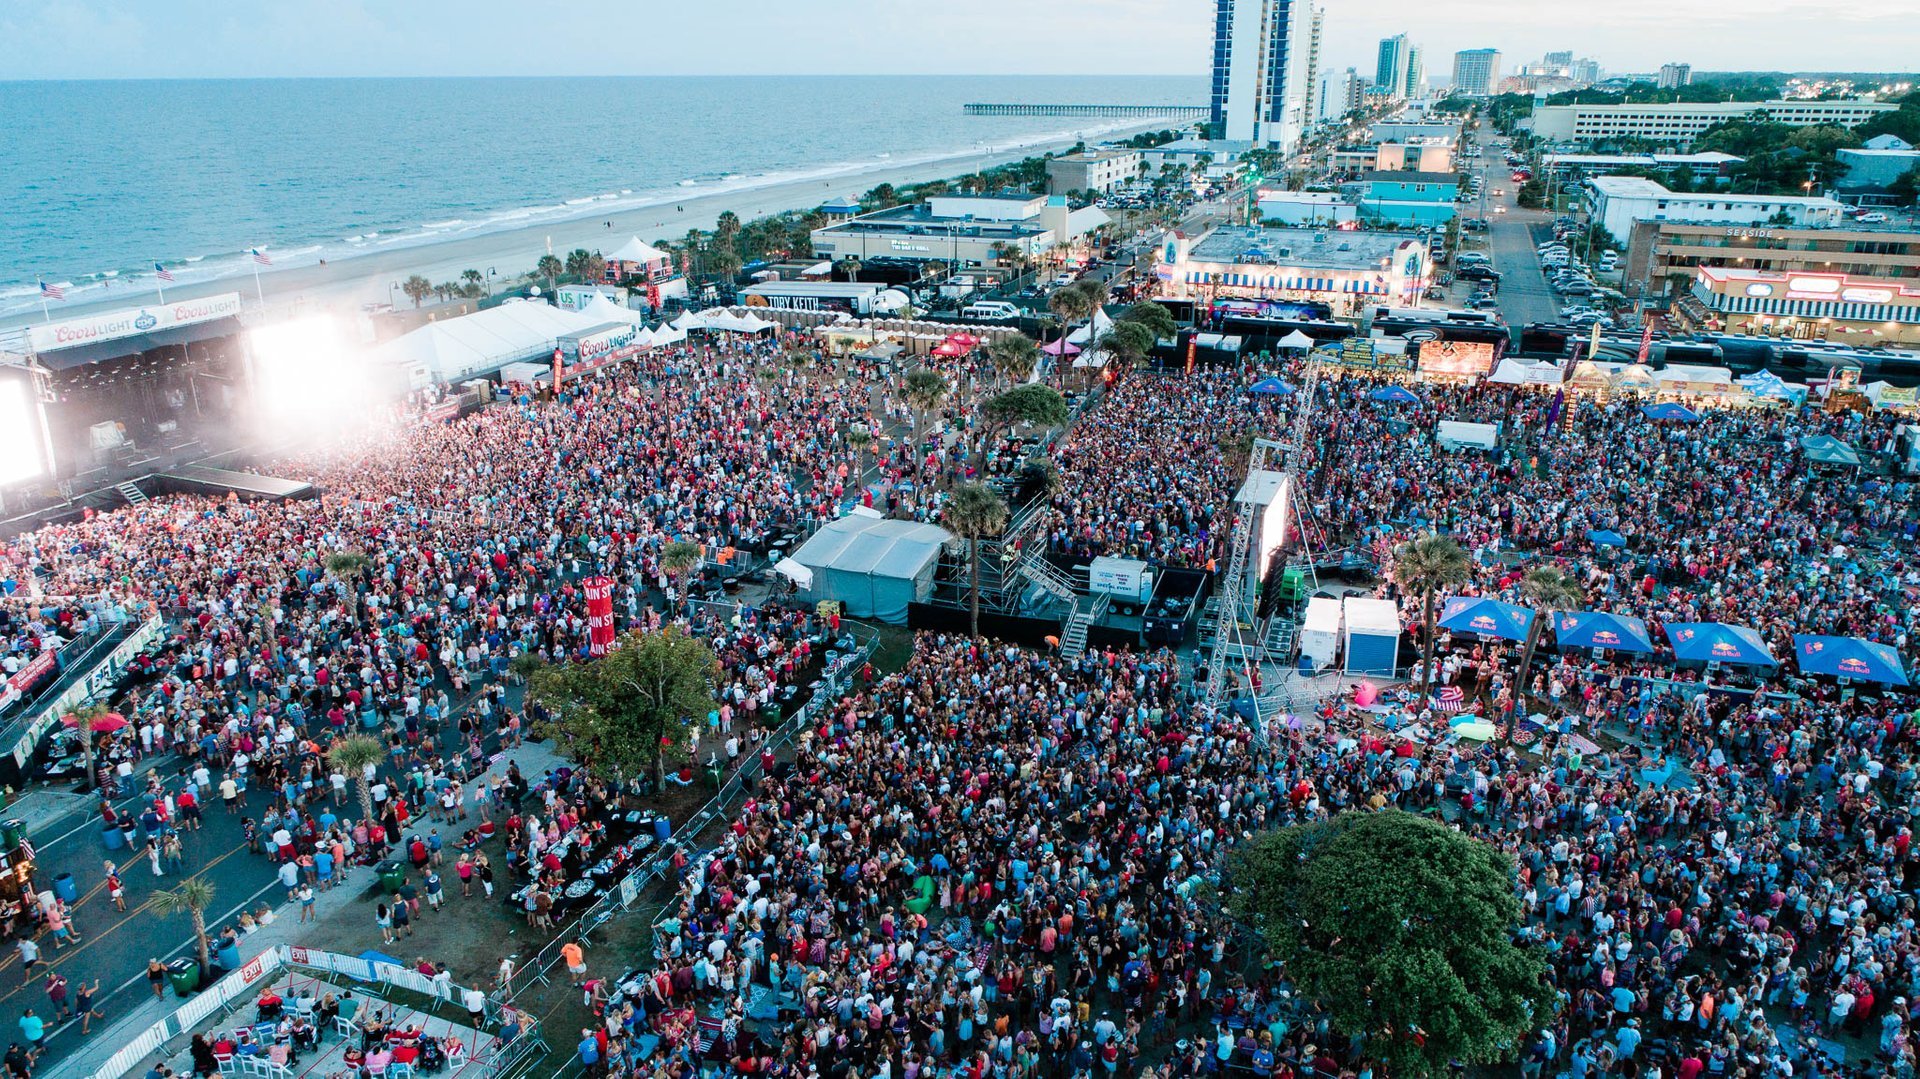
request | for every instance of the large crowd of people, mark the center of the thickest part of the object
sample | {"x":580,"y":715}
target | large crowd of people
{"x":988,"y":864}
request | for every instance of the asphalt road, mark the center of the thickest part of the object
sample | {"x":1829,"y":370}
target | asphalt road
{"x":1524,"y":296}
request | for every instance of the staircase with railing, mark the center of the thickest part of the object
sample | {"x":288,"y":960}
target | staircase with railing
{"x":1086,"y":611}
{"x":131,"y":492}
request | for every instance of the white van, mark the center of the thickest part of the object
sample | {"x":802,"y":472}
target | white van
{"x":990,"y":310}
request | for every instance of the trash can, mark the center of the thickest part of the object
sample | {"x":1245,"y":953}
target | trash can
{"x":12,"y":831}
{"x":113,"y":837}
{"x":63,"y":887}
{"x":392,"y":873}
{"x":185,"y":976}
{"x":228,"y":956}
{"x":772,"y":712}
{"x":662,"y":829}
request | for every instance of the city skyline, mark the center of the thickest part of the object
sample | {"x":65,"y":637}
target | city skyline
{"x":351,"y":38}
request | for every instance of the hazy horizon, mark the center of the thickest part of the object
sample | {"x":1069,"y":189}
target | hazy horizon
{"x":84,"y":40}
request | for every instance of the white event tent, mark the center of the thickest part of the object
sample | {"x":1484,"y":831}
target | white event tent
{"x":481,"y":343}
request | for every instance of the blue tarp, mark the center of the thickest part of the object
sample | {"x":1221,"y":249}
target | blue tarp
{"x":1487,"y":617}
{"x":1602,"y":537}
{"x":1848,"y":657}
{"x":1396,"y":395}
{"x":1718,"y":642}
{"x":1667,"y":410}
{"x":1270,"y":385}
{"x":1598,"y":629}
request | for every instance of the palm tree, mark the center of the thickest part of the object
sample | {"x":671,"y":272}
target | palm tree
{"x":352,"y":755}
{"x":474,"y":281}
{"x":417,"y":288}
{"x":1426,"y":565}
{"x":577,"y":260}
{"x":975,"y":513}
{"x":726,"y":229}
{"x":193,"y":896}
{"x":85,"y":718}
{"x":1547,"y":589}
{"x":926,"y":391}
{"x":549,"y":268}
{"x":1014,"y":357}
{"x":859,"y":439}
{"x":1069,"y":305}
{"x":851,"y":267}
{"x":346,"y":567}
{"x":679,"y":559}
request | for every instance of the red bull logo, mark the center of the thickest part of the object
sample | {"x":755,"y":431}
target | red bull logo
{"x":1482,"y":622}
{"x":1606,"y":638}
{"x":1723,"y":649}
{"x":1852,"y":665}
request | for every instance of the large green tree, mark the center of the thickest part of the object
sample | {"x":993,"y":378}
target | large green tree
{"x":630,"y":710}
{"x":1032,"y":403}
{"x":1156,"y":318}
{"x":1014,"y":357}
{"x":1403,"y":930}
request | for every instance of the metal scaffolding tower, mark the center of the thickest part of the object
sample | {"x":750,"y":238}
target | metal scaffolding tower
{"x":1236,"y":598}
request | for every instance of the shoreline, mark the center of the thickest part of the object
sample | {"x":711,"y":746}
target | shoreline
{"x":346,"y":285}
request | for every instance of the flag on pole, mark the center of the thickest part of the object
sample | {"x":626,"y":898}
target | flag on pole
{"x":54,"y":292}
{"x":162,"y":272}
{"x":260,"y":256}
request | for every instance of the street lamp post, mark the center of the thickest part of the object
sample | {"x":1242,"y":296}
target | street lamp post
{"x":391,"y":301}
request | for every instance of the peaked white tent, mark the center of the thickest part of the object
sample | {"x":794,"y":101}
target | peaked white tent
{"x":638,"y":250}
{"x":1518,"y":372}
{"x":667,"y":334}
{"x":719,"y":318}
{"x":1296,"y":339}
{"x":1096,"y":327}
{"x":601,"y":309}
{"x":687,"y":322}
{"x":455,"y":348}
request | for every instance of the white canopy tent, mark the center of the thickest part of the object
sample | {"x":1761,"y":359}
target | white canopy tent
{"x":719,"y":318}
{"x":638,"y":250}
{"x":605,"y":310}
{"x":1096,"y":327}
{"x":874,"y":567}
{"x":1518,"y":372}
{"x":688,"y":322}
{"x":667,"y":334}
{"x":1296,"y":339}
{"x":481,"y":343}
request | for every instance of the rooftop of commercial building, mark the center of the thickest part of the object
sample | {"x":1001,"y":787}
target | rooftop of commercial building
{"x":1712,"y":158}
{"x":1391,"y":177}
{"x":919,"y":220}
{"x":1333,"y":249}
{"x":1639,"y":187}
{"x":1104,"y":154}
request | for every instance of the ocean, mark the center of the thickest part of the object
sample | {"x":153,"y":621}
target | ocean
{"x":100,"y":180}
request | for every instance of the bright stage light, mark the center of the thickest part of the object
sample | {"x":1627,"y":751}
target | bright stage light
{"x":308,"y":378}
{"x":22,"y":450}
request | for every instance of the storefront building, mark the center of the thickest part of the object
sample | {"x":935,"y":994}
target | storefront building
{"x":1347,"y":269}
{"x":1864,"y":311}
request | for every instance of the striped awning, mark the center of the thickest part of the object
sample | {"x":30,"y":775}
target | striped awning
{"x":1286,"y":283}
{"x":1834,"y":309}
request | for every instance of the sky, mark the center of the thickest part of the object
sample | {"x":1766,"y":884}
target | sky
{"x":85,"y":39}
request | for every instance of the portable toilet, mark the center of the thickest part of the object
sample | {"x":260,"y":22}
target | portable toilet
{"x":1373,"y":636}
{"x":1320,"y":633}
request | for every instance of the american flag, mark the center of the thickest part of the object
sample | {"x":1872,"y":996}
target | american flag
{"x":53,"y":292}
{"x":1449,"y":699}
{"x":260,"y":257}
{"x":162,"y":272}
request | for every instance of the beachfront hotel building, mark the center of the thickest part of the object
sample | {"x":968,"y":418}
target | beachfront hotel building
{"x":1262,"y":70}
{"x":1680,"y":122}
{"x":1663,"y":255}
{"x":1099,"y":171}
{"x":1347,"y":269}
{"x":961,"y":230}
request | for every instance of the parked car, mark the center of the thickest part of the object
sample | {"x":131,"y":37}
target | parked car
{"x":1872,"y":217}
{"x":1479,"y":273}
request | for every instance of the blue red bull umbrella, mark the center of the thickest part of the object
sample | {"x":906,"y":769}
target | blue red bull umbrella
{"x":1718,"y":642}
{"x":1849,"y":657}
{"x":1598,"y":629}
{"x":1395,"y":395}
{"x":1487,"y":617}
{"x":1667,"y":410}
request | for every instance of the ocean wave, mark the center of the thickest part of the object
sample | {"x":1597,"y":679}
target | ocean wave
{"x":444,"y":224}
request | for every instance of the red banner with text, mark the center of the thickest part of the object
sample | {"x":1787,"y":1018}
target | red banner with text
{"x":599,"y":615}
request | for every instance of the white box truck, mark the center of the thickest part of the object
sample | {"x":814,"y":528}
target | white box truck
{"x":1320,"y":633}
{"x":1373,"y":636}
{"x":1128,"y":581}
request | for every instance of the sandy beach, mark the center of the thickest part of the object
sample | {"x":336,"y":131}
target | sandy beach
{"x":345,"y":285}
